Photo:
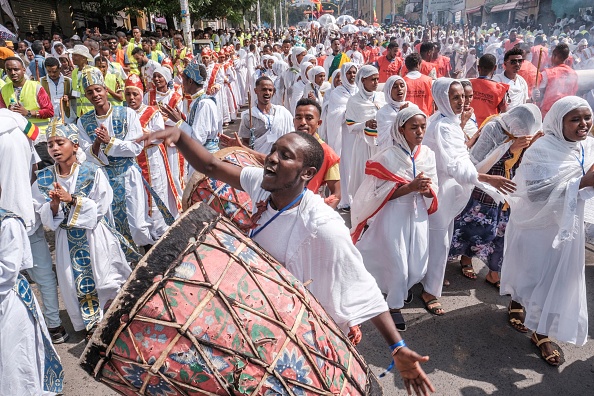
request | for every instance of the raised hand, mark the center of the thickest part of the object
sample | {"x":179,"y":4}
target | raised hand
{"x":169,"y":135}
{"x":420,"y":184}
{"x":102,"y":134}
{"x":521,"y":143}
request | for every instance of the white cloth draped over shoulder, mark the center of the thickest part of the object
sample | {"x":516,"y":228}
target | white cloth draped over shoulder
{"x":278,"y":123}
{"x":327,"y":92}
{"x":544,"y":257}
{"x":299,"y":86}
{"x":498,"y":134}
{"x":387,"y":114}
{"x":362,"y":107}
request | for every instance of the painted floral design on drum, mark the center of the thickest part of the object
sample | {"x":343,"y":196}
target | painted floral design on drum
{"x":156,"y":386}
{"x":290,"y":365}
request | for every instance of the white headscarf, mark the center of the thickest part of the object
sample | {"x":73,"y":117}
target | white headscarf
{"x":279,"y":67}
{"x":294,"y":52}
{"x":388,"y":92}
{"x":264,"y":59}
{"x":165,"y":72}
{"x":343,"y":72}
{"x":313,"y":72}
{"x":401,"y":118}
{"x":55,"y":53}
{"x":441,"y":95}
{"x":333,"y":79}
{"x":365,"y":72}
{"x":309,"y":58}
{"x":303,"y":71}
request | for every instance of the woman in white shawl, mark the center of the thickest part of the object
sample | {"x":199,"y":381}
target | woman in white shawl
{"x":316,"y":84}
{"x":544,"y":259}
{"x":290,"y":76}
{"x":58,"y":49}
{"x":467,"y":118}
{"x":278,"y":69}
{"x":337,"y":133}
{"x":394,"y":93}
{"x":336,"y":82}
{"x":399,"y":190}
{"x":479,"y":230}
{"x":299,"y":86}
{"x":361,"y":113}
{"x":457,"y":178}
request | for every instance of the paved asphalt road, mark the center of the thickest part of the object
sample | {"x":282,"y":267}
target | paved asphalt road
{"x":473,"y":350}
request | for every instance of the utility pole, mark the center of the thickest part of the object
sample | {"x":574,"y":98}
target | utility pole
{"x":274,"y":11}
{"x":185,"y":22}
{"x":280,"y":9}
{"x":258,"y":11}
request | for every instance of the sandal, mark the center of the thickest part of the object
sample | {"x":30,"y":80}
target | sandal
{"x":433,"y":307}
{"x":398,"y":319}
{"x":496,"y":285}
{"x":468,"y":271}
{"x":409,"y":298}
{"x":556,"y":354}
{"x":516,"y":323}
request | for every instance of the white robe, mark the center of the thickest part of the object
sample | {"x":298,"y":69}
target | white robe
{"x":158,"y":177}
{"x":220,"y":97}
{"x":22,"y":353}
{"x":110,"y":268}
{"x":312,"y":242}
{"x":136,"y":197}
{"x":277,"y":123}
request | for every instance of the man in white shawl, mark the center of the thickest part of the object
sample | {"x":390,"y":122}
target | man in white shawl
{"x":267,"y":122}
{"x":29,"y":364}
{"x":361,"y":121}
{"x":400,"y":192}
{"x":457,"y":177}
{"x":337,"y":132}
{"x":309,"y":238}
{"x":544,"y":258}
{"x":394,"y":94}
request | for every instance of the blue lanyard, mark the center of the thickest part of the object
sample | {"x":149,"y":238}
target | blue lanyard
{"x":253,"y":233}
{"x":412,"y":158}
{"x":269,"y":126}
{"x":581,"y":162}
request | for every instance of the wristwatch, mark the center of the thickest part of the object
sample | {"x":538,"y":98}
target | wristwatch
{"x":28,"y":113}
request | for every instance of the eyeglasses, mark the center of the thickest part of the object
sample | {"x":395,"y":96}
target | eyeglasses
{"x":516,"y":61}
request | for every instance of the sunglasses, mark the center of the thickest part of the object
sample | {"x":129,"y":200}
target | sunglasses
{"x":516,"y":61}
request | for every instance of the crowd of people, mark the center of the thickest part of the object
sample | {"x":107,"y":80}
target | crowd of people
{"x":440,"y":143}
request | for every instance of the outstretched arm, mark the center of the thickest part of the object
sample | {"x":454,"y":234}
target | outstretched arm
{"x":200,"y":159}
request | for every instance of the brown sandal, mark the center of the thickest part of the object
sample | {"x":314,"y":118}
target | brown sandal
{"x":468,"y":271}
{"x":517,"y":324}
{"x":548,"y":358}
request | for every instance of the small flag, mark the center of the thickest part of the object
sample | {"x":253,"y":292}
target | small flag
{"x":31,"y":130}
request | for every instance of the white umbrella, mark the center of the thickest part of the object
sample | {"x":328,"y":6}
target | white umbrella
{"x":315,"y":24}
{"x":332,"y":26}
{"x":326,"y":20}
{"x":349,"y":29}
{"x":344,"y":19}
{"x":368,"y":30}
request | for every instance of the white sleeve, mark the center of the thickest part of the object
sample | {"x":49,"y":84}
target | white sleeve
{"x":14,"y":253}
{"x":250,"y":180}
{"x":128,"y":146}
{"x":90,"y":210}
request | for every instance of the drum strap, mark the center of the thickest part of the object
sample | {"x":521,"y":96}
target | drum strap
{"x":253,"y":233}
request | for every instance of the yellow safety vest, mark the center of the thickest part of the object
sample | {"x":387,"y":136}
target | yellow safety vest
{"x":115,"y":83}
{"x":133,"y":64}
{"x":27,"y":98}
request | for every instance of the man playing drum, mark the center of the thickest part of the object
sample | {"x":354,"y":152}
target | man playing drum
{"x":308,"y":237}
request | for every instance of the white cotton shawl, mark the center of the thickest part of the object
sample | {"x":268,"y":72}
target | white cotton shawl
{"x":457,"y":174}
{"x":336,"y":114}
{"x":298,"y":87}
{"x":549,"y":176}
{"x":387,"y":114}
{"x":363,"y":105}
{"x":327,"y":93}
{"x":493,"y":142}
{"x":343,"y":76}
{"x":375,"y":192}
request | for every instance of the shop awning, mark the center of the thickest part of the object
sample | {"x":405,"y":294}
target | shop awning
{"x":474,"y":10}
{"x":505,"y":7}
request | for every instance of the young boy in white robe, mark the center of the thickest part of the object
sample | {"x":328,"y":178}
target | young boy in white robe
{"x":544,"y":256}
{"x":164,"y":205}
{"x":29,"y":364}
{"x":400,"y":190}
{"x":108,"y":137}
{"x":74,"y":200}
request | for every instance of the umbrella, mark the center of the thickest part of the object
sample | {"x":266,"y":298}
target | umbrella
{"x":368,"y":30}
{"x":331,"y":26}
{"x":360,"y":22}
{"x":6,"y":34}
{"x":313,"y":24}
{"x":349,"y":29}
{"x":326,"y":19}
{"x":344,"y":19}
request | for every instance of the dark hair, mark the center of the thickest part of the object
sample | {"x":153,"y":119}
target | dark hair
{"x":101,"y":59}
{"x":135,"y":27}
{"x":392,"y":45}
{"x":104,"y":48}
{"x":313,"y":155}
{"x":425,"y":47}
{"x":120,"y":34}
{"x":14,"y":58}
{"x":561,"y":51}
{"x":286,"y":41}
{"x":51,"y":62}
{"x":334,"y":39}
{"x":310,"y":102}
{"x":487,"y":62}
{"x":465,"y":83}
{"x":37,"y":47}
{"x":412,"y":61}
{"x":252,"y":47}
{"x":263,"y":78}
{"x":137,"y":50}
{"x":513,"y":52}
{"x":111,"y":37}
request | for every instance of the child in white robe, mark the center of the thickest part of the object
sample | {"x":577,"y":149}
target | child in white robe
{"x":74,"y":200}
{"x":397,"y":181}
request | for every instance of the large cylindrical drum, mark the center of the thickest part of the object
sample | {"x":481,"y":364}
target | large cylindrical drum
{"x":208,"y":312}
{"x":234,"y":204}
